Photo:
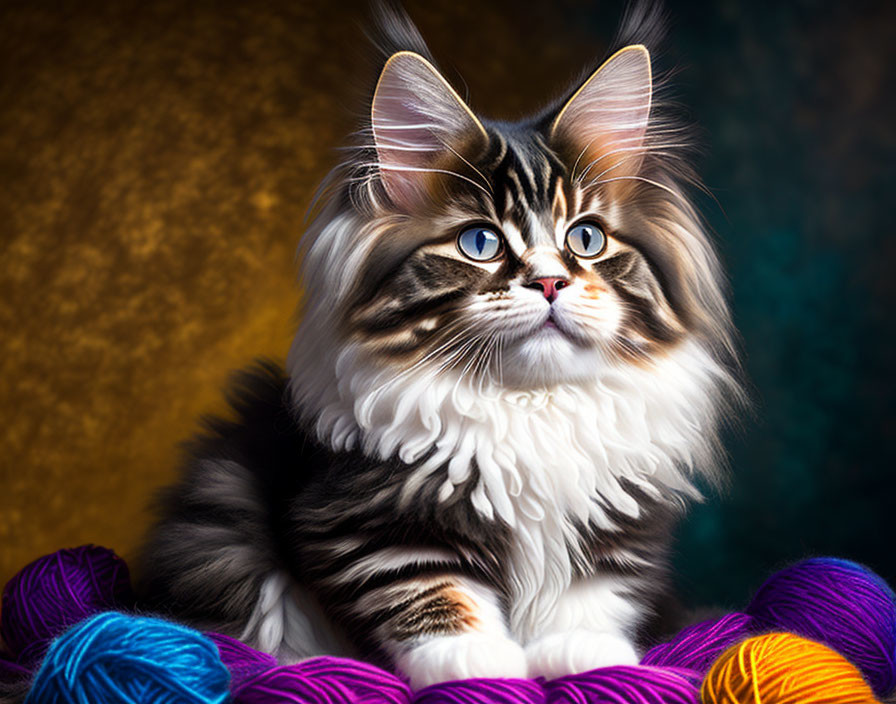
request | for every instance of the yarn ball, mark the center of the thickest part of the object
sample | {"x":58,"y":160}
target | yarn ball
{"x":57,"y":591}
{"x":242,"y":661}
{"x":112,"y":658}
{"x":324,"y":680}
{"x":783,"y":668}
{"x":626,"y":684}
{"x":839,"y":603}
{"x":482,"y":691}
{"x":698,"y":646}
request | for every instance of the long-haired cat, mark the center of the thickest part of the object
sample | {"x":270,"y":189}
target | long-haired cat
{"x":513,"y":356}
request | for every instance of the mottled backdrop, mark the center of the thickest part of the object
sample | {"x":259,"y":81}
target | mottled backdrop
{"x":156,"y":159}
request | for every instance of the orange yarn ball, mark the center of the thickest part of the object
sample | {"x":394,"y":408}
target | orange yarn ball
{"x":782,"y":668}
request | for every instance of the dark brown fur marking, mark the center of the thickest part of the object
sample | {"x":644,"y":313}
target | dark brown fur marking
{"x":446,"y":611}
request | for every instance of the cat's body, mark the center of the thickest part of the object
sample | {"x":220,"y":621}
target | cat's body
{"x":506,"y":376}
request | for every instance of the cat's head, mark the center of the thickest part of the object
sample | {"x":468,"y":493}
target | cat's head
{"x":523,"y":254}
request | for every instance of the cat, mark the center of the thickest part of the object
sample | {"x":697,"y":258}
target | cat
{"x":513,"y":358}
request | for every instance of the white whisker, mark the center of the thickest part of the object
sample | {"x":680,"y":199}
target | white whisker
{"x":642,"y":179}
{"x":420,"y":169}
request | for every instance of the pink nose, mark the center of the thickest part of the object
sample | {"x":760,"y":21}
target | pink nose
{"x":550,"y":287}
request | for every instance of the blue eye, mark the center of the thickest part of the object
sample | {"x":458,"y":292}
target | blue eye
{"x":586,"y":239}
{"x":479,"y":243}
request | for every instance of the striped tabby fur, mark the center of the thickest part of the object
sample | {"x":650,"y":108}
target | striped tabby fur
{"x":462,"y":473}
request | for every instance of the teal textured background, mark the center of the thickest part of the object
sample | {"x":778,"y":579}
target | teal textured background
{"x":796,"y":104}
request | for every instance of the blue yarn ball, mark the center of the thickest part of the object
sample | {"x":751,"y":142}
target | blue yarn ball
{"x":113,"y":658}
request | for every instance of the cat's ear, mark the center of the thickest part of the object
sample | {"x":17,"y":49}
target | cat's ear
{"x":603,"y":125}
{"x":417,"y":118}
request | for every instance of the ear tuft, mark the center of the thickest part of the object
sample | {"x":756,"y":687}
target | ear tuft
{"x":416,"y":117}
{"x":605,"y":120}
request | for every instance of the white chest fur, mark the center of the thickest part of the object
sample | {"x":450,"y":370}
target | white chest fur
{"x":543,"y":456}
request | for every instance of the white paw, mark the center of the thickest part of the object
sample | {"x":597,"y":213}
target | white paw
{"x":567,"y":653}
{"x":447,"y":658}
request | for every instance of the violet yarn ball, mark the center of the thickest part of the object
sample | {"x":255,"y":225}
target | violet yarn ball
{"x":323,"y":680}
{"x":482,"y":691}
{"x":839,"y":603}
{"x":57,"y":591}
{"x":626,"y":684}
{"x":697,"y":647}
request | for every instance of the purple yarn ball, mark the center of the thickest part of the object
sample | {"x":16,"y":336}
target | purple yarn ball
{"x":242,"y":661}
{"x":839,"y":603}
{"x":698,"y":646}
{"x":482,"y":691}
{"x":323,"y":680}
{"x":57,"y":591}
{"x":626,"y":684}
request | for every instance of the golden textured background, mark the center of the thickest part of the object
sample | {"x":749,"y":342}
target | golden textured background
{"x":156,"y":160}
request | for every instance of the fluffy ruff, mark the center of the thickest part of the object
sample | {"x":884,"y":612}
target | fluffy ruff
{"x":548,"y":460}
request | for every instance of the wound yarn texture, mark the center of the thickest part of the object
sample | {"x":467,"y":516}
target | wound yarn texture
{"x":839,"y":603}
{"x":782,"y":668}
{"x":113,"y":658}
{"x":482,"y":691}
{"x":324,"y":680}
{"x":626,"y":684}
{"x":57,"y":591}
{"x":698,"y":646}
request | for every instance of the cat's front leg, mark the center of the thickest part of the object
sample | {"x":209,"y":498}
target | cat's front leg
{"x":445,"y":627}
{"x":592,"y":627}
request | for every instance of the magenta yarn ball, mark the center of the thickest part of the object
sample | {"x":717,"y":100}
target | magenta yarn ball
{"x":697,"y":647}
{"x":626,"y":684}
{"x":482,"y":691}
{"x":839,"y":603}
{"x":323,"y":680}
{"x":57,"y":591}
